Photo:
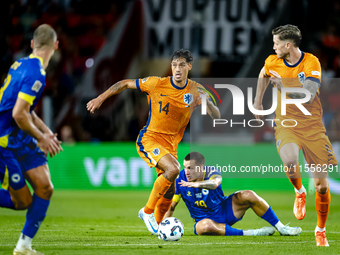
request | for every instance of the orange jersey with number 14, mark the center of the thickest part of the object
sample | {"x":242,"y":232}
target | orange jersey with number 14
{"x":170,"y":110}
{"x":293,"y":76}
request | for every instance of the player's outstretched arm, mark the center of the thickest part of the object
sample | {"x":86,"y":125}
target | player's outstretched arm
{"x":213,"y":110}
{"x":212,"y":183}
{"x":171,"y":210}
{"x":22,"y":116}
{"x":262,"y":84}
{"x":113,"y":90}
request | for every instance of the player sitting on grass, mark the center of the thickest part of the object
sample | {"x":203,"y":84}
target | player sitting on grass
{"x":213,"y":212}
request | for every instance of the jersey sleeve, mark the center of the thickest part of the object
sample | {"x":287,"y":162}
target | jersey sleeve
{"x":211,"y":173}
{"x":147,"y":84}
{"x":313,"y":69}
{"x":268,"y":64}
{"x":31,"y":86}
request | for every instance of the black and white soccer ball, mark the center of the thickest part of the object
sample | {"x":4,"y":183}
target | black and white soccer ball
{"x":170,"y":229}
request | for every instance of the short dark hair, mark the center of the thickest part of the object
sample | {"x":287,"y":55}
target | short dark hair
{"x":186,"y":54}
{"x":44,"y":35}
{"x":198,"y":157}
{"x":288,"y":32}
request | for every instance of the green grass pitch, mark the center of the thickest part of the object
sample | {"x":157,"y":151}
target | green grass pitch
{"x":105,"y":222}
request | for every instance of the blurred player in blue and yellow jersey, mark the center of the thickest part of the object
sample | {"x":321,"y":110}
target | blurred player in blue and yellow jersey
{"x":292,"y":68}
{"x":171,"y":102}
{"x":214,"y":214}
{"x":25,"y":139}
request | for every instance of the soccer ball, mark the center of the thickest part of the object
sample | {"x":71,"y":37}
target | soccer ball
{"x":170,"y":229}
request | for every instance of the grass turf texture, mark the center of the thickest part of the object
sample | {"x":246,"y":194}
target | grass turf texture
{"x":105,"y":222}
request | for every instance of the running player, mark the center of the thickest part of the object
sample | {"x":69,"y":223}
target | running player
{"x":291,"y":67}
{"x":214,"y":213}
{"x":24,"y":138}
{"x":171,"y":102}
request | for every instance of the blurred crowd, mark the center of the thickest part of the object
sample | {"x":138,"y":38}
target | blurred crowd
{"x":82,"y":27}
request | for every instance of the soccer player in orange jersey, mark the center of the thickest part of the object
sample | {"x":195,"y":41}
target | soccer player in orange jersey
{"x":171,"y":101}
{"x":291,"y":67}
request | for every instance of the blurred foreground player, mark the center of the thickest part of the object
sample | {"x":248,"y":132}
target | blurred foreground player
{"x":24,"y":138}
{"x":214,"y":213}
{"x":171,"y":101}
{"x":292,"y":68}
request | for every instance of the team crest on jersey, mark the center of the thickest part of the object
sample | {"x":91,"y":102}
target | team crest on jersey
{"x":36,"y":86}
{"x":198,"y":195}
{"x":145,"y":79}
{"x":301,"y":77}
{"x":156,"y":151}
{"x":205,"y":191}
{"x":188,"y":98}
{"x":189,"y":194}
{"x":15,"y":178}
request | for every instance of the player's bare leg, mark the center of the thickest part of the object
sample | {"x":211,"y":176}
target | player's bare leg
{"x":21,"y":198}
{"x":241,"y":202}
{"x":210,"y":227}
{"x":289,"y":154}
{"x":171,"y":168}
{"x":245,"y":199}
{"x":322,"y":204}
{"x":40,"y":180}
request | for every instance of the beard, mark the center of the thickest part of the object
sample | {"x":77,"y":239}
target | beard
{"x":283,"y":55}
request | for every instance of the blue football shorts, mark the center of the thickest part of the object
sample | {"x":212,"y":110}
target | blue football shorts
{"x":14,"y":162}
{"x":225,"y":214}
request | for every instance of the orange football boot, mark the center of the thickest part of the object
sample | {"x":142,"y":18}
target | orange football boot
{"x":321,"y":239}
{"x":299,"y":205}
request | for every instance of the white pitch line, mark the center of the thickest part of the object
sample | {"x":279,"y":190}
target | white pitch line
{"x":312,"y":231}
{"x":164,"y":243}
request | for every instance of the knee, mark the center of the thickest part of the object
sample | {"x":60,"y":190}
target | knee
{"x":172,"y":172}
{"x":205,"y":227}
{"x":45,"y":191}
{"x":249,"y":196}
{"x":321,"y":188}
{"x":290,"y":162}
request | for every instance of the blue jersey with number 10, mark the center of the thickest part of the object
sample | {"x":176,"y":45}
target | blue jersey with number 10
{"x":201,"y":203}
{"x":25,"y":80}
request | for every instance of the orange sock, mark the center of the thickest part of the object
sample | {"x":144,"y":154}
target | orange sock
{"x":163,"y":205}
{"x":322,"y":204}
{"x":160,"y":186}
{"x":294,"y":176}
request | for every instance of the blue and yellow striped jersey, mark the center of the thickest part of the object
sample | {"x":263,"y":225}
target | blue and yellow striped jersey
{"x":26,"y":80}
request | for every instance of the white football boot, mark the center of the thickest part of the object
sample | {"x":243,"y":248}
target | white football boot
{"x":290,"y":231}
{"x":265,"y":231}
{"x":26,"y":251}
{"x":149,"y":220}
